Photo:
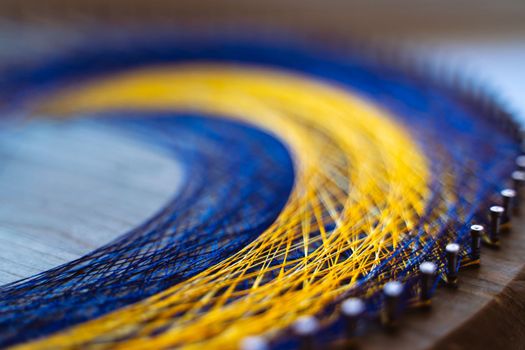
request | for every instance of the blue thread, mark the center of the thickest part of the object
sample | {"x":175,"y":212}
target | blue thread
{"x":450,"y":128}
{"x":226,"y":203}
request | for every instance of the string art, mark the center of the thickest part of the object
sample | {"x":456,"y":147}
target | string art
{"x":310,"y":176}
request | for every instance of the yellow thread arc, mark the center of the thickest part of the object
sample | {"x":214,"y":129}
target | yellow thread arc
{"x":355,"y":169}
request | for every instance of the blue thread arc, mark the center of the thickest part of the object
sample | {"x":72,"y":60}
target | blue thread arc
{"x":449,"y":129}
{"x":227,"y":201}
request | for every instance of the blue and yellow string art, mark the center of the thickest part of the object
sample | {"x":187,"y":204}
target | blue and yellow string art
{"x":309,"y":176}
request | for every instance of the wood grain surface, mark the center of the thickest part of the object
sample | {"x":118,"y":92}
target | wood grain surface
{"x":71,"y":187}
{"x":487,"y":311}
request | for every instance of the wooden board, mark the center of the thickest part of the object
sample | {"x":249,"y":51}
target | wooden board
{"x":487,"y":311}
{"x":71,"y":187}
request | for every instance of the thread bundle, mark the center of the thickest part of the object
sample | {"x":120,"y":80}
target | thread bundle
{"x":388,"y":167}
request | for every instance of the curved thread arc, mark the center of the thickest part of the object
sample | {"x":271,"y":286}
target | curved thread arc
{"x":348,"y":210}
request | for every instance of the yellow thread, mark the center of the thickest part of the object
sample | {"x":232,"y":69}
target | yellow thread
{"x":355,"y":168}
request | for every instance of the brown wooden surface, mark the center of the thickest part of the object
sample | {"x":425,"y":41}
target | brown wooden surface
{"x":487,"y":311}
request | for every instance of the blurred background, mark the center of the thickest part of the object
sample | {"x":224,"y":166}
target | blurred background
{"x":484,"y":39}
{"x":378,"y":17}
